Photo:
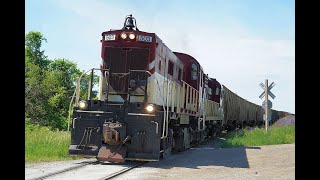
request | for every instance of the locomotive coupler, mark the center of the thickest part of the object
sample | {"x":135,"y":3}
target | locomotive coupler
{"x":114,"y":135}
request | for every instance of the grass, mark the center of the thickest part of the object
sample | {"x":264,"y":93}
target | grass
{"x":258,"y":137}
{"x":43,"y":144}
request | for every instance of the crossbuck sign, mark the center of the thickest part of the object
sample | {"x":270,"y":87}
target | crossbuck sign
{"x":269,"y":92}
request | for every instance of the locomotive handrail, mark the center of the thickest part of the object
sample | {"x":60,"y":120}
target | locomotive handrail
{"x":164,"y":109}
{"x":77,"y":92}
{"x":167,"y":112}
{"x":70,"y":108}
{"x":79,"y":80}
{"x":142,"y":71}
{"x":193,"y":99}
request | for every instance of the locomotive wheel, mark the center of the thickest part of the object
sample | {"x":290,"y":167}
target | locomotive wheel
{"x":214,"y":133}
{"x":230,"y":127}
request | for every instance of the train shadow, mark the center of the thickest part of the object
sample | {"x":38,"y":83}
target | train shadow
{"x":198,"y":157}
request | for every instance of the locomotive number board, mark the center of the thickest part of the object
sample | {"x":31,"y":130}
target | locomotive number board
{"x":110,"y":37}
{"x":144,"y":38}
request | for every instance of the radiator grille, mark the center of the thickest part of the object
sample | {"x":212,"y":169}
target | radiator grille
{"x":120,"y":60}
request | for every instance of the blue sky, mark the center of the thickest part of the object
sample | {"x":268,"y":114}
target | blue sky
{"x":239,"y":42}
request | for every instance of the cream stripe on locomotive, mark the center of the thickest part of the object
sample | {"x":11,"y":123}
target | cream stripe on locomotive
{"x":184,"y":98}
{"x":164,"y":92}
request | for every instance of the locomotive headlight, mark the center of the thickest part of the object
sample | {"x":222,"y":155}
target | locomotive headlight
{"x":83,"y":104}
{"x":132,"y":36}
{"x":150,"y":108}
{"x":123,"y":35}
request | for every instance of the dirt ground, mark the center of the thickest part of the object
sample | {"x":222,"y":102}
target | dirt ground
{"x":203,"y":162}
{"x":263,"y":162}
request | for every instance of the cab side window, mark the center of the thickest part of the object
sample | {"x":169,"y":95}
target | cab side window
{"x":217,"y":91}
{"x":194,"y":72}
{"x":170,"y":68}
{"x":209,"y":91}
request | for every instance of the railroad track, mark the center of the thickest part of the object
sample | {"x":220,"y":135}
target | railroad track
{"x":65,"y":170}
{"x":123,"y":171}
{"x":117,"y":173}
{"x":131,"y":165}
{"x":111,"y":175}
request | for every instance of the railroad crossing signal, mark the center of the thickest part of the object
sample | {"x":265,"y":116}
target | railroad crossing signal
{"x":269,"y":92}
{"x":267,"y":104}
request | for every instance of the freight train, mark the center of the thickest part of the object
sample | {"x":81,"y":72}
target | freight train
{"x":152,"y":101}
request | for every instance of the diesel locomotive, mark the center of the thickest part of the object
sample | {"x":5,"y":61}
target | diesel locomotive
{"x":152,"y":101}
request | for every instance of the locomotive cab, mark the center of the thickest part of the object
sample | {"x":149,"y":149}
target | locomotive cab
{"x":214,"y":90}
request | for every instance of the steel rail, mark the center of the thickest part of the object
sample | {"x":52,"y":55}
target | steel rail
{"x":123,"y":171}
{"x":64,"y":170}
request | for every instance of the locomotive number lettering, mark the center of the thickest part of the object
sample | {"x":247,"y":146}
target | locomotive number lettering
{"x":110,"y":37}
{"x":144,"y":38}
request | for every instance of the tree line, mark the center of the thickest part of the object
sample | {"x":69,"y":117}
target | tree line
{"x":49,"y":85}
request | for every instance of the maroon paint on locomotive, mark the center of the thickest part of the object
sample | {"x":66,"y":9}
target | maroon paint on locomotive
{"x":214,"y":84}
{"x":127,"y":43}
{"x":187,"y":61}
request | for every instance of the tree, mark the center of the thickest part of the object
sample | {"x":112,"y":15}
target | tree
{"x":63,"y":73}
{"x":34,"y":95}
{"x":68,"y":73}
{"x":49,"y":85}
{"x":35,"y":65}
{"x":33,"y":54}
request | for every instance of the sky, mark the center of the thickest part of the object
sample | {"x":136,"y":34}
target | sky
{"x":239,"y":42}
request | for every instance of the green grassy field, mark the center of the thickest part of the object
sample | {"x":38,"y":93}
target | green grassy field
{"x":42,"y":144}
{"x":258,"y":137}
